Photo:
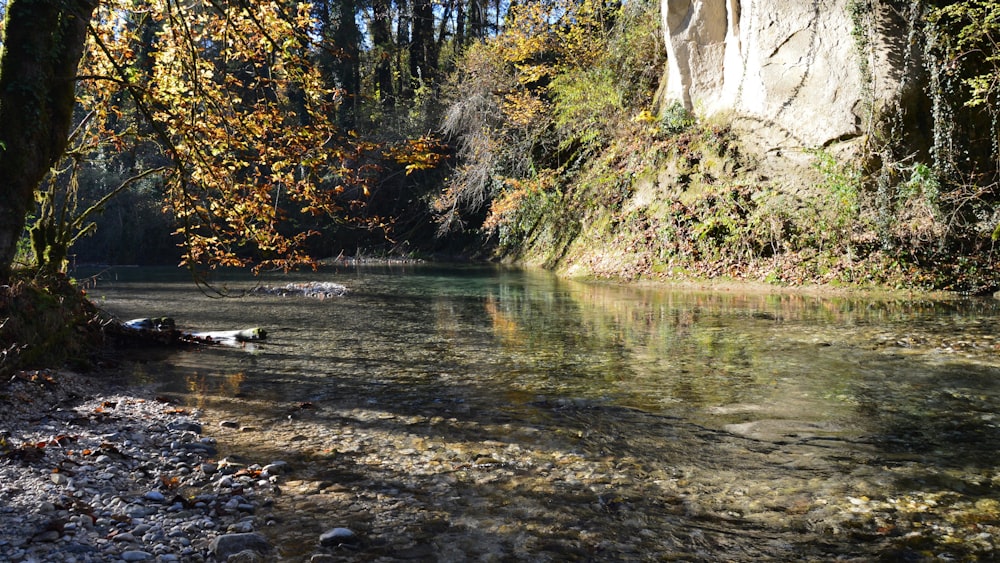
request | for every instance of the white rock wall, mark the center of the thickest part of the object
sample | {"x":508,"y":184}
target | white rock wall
{"x":789,"y":70}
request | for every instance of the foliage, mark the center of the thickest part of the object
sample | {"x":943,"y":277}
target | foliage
{"x":265,"y":123}
{"x":584,"y":101}
{"x":972,"y":31}
{"x":841,"y":184}
{"x":233,"y":102}
{"x":553,"y":88}
{"x":268,"y":130}
{"x":964,"y":87}
{"x":676,"y":118}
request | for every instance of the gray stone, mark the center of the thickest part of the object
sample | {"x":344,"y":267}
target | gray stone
{"x":231,"y":544}
{"x":246,"y":556}
{"x":185,"y":426}
{"x":338,"y":536}
{"x":276,"y":467}
{"x":198,"y":447}
{"x":136,"y":556}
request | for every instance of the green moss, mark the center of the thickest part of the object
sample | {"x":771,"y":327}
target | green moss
{"x":46,"y":321}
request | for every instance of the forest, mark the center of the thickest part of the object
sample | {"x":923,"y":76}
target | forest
{"x":274,"y":134}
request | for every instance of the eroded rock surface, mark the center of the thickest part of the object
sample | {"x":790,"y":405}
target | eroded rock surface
{"x":795,"y":74}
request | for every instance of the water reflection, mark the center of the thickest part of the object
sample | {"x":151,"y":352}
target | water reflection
{"x":722,"y":357}
{"x":736,"y":409}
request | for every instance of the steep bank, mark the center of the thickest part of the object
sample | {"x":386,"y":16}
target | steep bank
{"x":829,"y":143}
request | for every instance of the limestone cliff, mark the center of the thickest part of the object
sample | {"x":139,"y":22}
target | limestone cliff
{"x":794,"y":75}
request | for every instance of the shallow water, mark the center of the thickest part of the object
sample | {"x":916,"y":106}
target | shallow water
{"x":452,"y":413}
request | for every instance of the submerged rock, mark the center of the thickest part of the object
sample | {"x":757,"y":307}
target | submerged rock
{"x":315,"y":290}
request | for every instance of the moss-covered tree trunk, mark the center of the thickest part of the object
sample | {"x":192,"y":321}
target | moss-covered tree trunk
{"x":42,"y":44}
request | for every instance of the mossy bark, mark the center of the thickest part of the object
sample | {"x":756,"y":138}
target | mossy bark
{"x":43,"y":44}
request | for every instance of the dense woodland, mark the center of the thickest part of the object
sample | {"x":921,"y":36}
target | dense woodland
{"x":272,"y":134}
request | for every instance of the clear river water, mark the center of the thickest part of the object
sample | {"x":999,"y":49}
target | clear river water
{"x":477,"y":413}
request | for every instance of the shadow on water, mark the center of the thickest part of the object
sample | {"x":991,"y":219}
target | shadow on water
{"x":453,"y":414}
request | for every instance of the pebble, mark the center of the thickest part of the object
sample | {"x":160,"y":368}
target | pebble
{"x":101,"y":480}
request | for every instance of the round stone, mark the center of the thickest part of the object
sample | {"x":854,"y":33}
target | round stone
{"x":338,"y":536}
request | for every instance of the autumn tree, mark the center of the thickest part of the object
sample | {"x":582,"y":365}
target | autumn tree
{"x":254,"y":123}
{"x":241,"y":119}
{"x":546,"y":92}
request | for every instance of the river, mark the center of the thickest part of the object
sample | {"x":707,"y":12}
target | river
{"x":494,"y":414}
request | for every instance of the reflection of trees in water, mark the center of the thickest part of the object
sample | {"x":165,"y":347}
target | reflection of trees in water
{"x":201,"y":388}
{"x":411,"y":391}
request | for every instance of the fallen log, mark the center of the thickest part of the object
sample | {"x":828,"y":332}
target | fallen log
{"x":163,"y":329}
{"x":226,"y":336}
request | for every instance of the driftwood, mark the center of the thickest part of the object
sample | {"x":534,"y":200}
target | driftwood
{"x":163,"y":330}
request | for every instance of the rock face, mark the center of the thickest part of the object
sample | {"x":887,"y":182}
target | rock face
{"x":799,"y":74}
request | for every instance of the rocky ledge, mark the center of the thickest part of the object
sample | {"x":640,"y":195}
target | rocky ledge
{"x":90,"y":476}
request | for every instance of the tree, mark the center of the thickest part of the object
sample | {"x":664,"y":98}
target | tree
{"x":381,"y":28}
{"x":524,"y":98}
{"x":246,"y":120}
{"x":230,"y":100}
{"x":340,"y":54}
{"x":43,"y":42}
{"x":423,"y":51}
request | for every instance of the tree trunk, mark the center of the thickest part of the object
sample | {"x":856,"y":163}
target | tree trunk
{"x":405,"y":88}
{"x":347,"y":38}
{"x":382,"y":40}
{"x":43,"y":43}
{"x":422,"y":62}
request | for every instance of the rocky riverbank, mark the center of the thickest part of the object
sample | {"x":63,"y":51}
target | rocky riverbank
{"x":92,"y":472}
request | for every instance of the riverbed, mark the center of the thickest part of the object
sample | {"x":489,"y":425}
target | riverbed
{"x":494,"y":414}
